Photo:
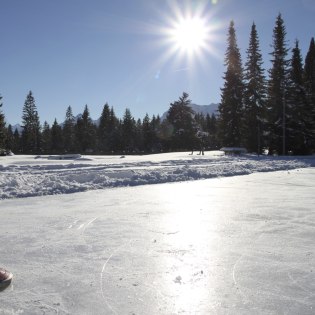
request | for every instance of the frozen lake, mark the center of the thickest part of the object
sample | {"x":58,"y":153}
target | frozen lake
{"x":234,"y":245}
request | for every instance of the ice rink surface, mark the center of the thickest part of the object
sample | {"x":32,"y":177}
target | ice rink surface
{"x":234,"y":245}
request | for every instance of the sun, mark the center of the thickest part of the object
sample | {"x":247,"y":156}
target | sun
{"x":189,"y":35}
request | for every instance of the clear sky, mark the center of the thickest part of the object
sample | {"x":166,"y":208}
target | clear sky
{"x":127,"y":52}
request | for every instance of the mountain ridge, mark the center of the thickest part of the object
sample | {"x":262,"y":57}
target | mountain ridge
{"x":210,"y":109}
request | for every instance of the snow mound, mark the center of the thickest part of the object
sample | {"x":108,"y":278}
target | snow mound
{"x":26,"y":176}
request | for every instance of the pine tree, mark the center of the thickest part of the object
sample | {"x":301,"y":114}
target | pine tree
{"x":128,"y":131}
{"x":104,"y":130}
{"x":9,"y":142}
{"x":254,"y":95}
{"x":115,"y":132}
{"x":56,"y":138}
{"x":166,"y":136}
{"x":277,"y":85}
{"x":297,"y":115}
{"x":231,"y":106}
{"x":69,"y":132}
{"x":139,"y":147}
{"x":148,"y":134}
{"x":46,"y":138}
{"x":2,"y":128}
{"x":211,"y":128}
{"x":309,"y":82}
{"x":155,"y":125}
{"x":85,"y":132}
{"x":17,"y":142}
{"x":181,"y":117}
{"x":31,"y":126}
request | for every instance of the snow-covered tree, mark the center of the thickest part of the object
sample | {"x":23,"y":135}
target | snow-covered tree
{"x":231,"y":105}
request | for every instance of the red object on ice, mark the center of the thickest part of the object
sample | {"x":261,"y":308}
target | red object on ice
{"x":5,"y":277}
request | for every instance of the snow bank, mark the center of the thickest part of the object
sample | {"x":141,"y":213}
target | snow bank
{"x":26,"y":176}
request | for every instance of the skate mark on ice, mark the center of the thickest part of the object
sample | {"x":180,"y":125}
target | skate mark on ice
{"x":101,"y":283}
{"x":76,"y":225}
{"x":233,"y":275}
{"x":80,"y":226}
{"x":85,"y":225}
{"x":73,"y":224}
{"x":105,"y":299}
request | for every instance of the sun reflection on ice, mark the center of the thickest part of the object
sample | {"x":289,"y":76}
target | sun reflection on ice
{"x":187,"y":259}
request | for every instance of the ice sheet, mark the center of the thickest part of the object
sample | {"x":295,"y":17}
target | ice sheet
{"x":236,"y":245}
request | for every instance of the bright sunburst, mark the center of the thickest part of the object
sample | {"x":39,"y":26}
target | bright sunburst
{"x":189,"y":34}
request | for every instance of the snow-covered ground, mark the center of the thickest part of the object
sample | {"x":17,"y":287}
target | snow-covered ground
{"x":25,"y":176}
{"x":225,"y":245}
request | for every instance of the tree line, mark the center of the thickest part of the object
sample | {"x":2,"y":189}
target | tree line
{"x":258,"y":112}
{"x":110,"y":135}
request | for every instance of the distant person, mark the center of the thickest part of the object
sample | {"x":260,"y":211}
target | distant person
{"x":199,"y":142}
{"x":201,"y":136}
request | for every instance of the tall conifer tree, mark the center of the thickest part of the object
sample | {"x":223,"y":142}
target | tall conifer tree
{"x":254,"y":95}
{"x":31,"y":126}
{"x":181,"y":118}
{"x":156,"y":128}
{"x":115,"y":136}
{"x":297,"y":116}
{"x":128,"y":131}
{"x":69,"y":132}
{"x":2,"y":127}
{"x":46,"y":138}
{"x":9,"y":143}
{"x":231,"y":106}
{"x":309,"y":81}
{"x":148,"y":134}
{"x":56,"y":138}
{"x":85,"y":132}
{"x":104,"y":130}
{"x":17,"y":141}
{"x":277,"y":85}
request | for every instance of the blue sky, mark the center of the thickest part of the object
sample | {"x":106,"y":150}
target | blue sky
{"x":77,"y":52}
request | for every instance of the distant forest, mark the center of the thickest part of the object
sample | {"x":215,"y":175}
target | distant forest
{"x":260,"y":110}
